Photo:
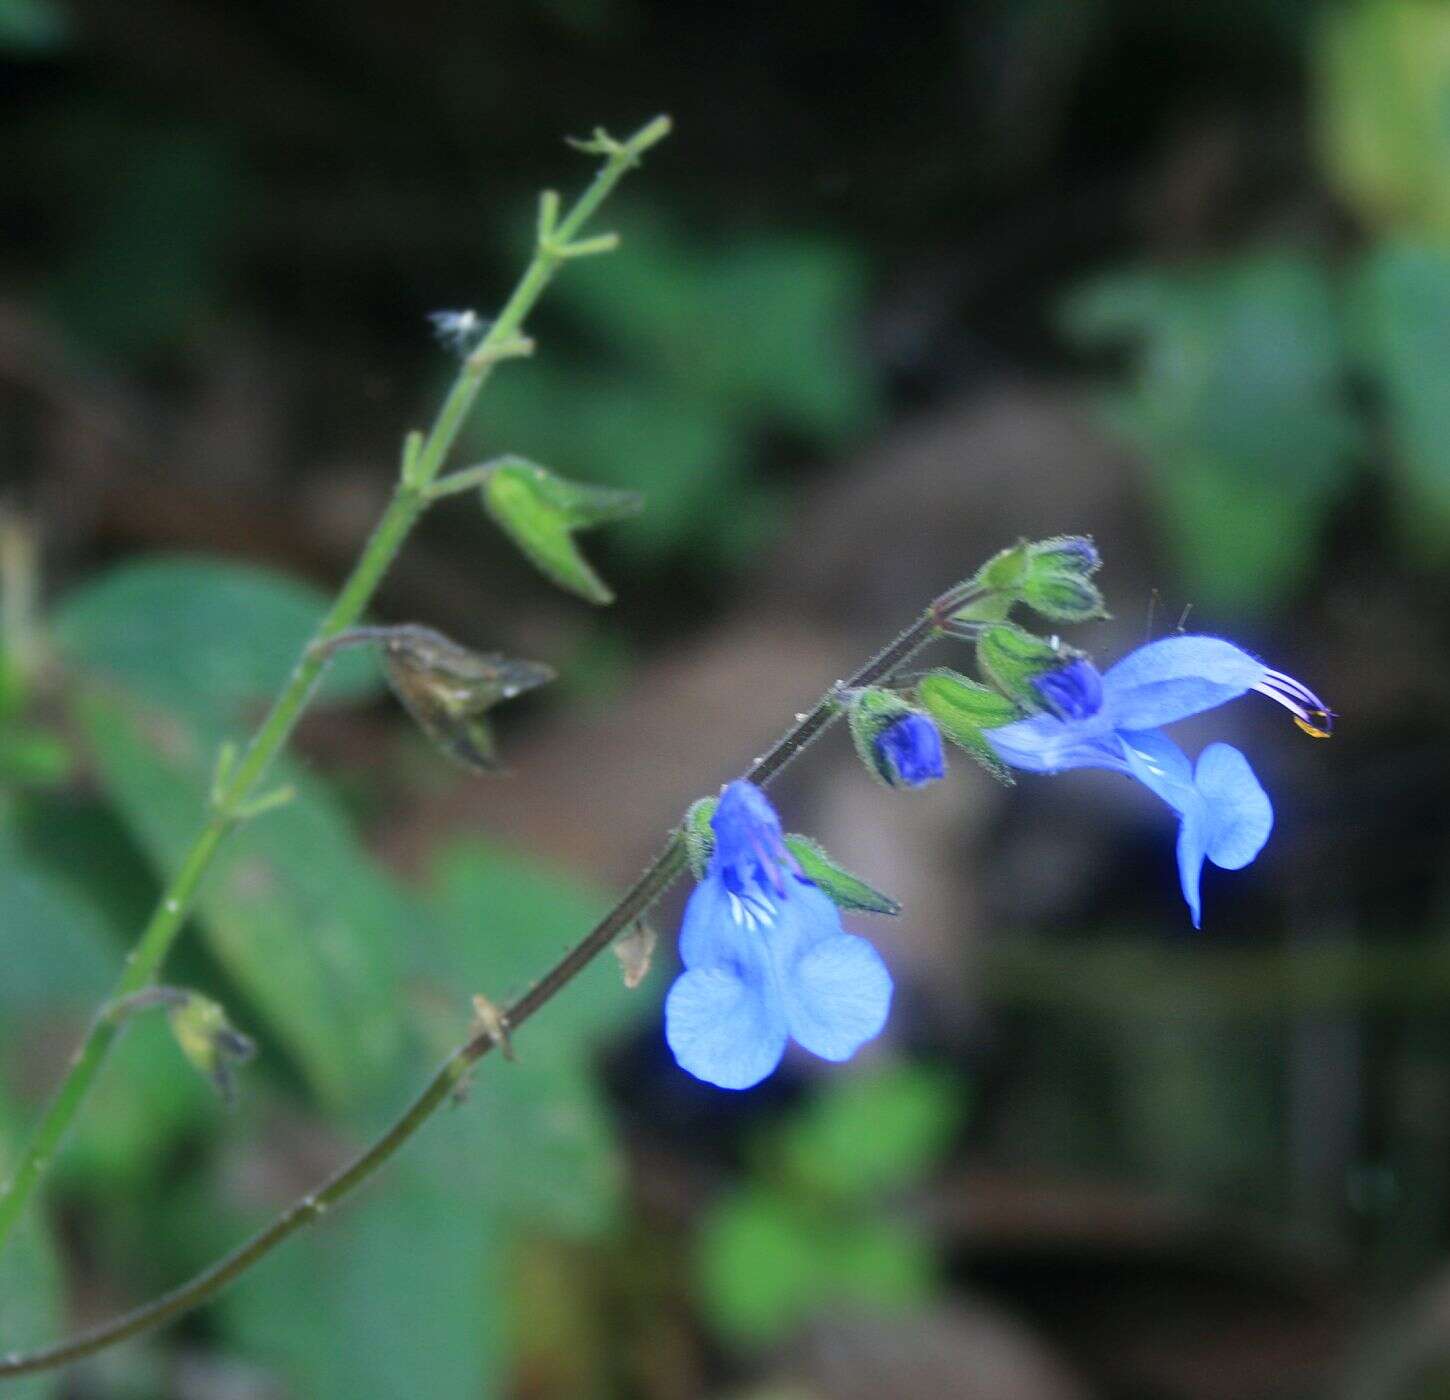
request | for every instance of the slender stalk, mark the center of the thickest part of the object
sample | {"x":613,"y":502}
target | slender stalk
{"x":411,"y":497}
{"x":665,"y":870}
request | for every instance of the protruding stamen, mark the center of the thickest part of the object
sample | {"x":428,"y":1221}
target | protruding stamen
{"x":1310,"y":713}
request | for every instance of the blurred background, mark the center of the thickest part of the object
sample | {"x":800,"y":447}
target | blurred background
{"x":910,"y":281}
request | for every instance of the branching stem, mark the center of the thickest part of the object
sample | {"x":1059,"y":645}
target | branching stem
{"x":235,"y":797}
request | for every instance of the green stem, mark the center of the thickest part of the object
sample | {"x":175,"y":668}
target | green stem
{"x":666,"y":869}
{"x":409,"y":501}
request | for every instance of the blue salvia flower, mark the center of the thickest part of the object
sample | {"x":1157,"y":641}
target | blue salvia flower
{"x":910,"y":751}
{"x":1111,"y":721}
{"x":766,"y":959}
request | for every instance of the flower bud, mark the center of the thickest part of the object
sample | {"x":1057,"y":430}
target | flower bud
{"x":964,"y":709}
{"x":1015,"y":659}
{"x":898,"y":744}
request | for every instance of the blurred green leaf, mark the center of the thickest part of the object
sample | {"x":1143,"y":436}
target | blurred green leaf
{"x":1382,"y":73}
{"x":763,"y":325}
{"x":1236,"y":399}
{"x":398,"y":1295}
{"x":760,"y":1266}
{"x":33,"y":27}
{"x":719,"y":343}
{"x":627,"y":433}
{"x":63,"y":954}
{"x":766,"y":1262}
{"x":292,"y":906}
{"x":157,"y":233}
{"x":144,"y":1106}
{"x":1403,"y":325}
{"x":58,"y":952}
{"x":31,"y":757}
{"x":872,"y":1132}
{"x":202,"y":637}
{"x":540,"y":1140}
{"x":31,"y":1311}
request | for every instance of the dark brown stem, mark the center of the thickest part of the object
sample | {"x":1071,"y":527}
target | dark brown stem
{"x":665,"y":870}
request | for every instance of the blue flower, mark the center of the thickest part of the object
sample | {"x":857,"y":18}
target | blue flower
{"x":766,"y":959}
{"x":910,"y":752}
{"x":1111,"y":721}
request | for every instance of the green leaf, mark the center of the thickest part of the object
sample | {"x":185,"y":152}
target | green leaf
{"x":1382,"y":76}
{"x":31,"y":1298}
{"x":396,"y":1295}
{"x":540,"y":512}
{"x":157,"y":207}
{"x":766,"y":1262}
{"x":59,"y":955}
{"x":540,"y":1139}
{"x":292,"y":906}
{"x":1403,"y":305}
{"x":761,"y":1266}
{"x":202,"y":637}
{"x":1236,"y":399}
{"x":761,"y":326}
{"x":33,"y":27}
{"x":873,"y":1132}
{"x":845,"y":889}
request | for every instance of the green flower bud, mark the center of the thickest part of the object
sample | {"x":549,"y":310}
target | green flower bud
{"x":1013,"y":658}
{"x":1058,"y":582}
{"x":963,"y":709}
{"x":870,"y":712}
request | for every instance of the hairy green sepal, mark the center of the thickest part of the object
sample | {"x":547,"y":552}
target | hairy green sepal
{"x":963,"y":709}
{"x":540,"y":512}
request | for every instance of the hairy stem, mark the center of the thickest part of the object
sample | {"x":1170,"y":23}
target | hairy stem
{"x":665,"y":870}
{"x":422,"y":463}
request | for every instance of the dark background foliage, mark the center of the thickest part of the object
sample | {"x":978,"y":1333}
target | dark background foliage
{"x":910,"y":281}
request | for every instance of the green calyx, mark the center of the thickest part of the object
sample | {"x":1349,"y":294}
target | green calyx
{"x":871,"y":711}
{"x":963,"y":710}
{"x":1053,"y":577}
{"x":1012,"y":658}
{"x":1058,"y":582}
{"x":540,"y":513}
{"x":844,"y":889}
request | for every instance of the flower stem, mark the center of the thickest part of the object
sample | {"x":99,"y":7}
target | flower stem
{"x":410,"y":499}
{"x":666,"y":869}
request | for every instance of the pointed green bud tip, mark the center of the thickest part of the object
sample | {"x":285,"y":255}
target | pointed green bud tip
{"x":1058,"y":584}
{"x":212,"y":1044}
{"x":963,"y":710}
{"x":540,"y":512}
{"x":844,"y":889}
{"x":1013,"y":658}
{"x":700,"y":835}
